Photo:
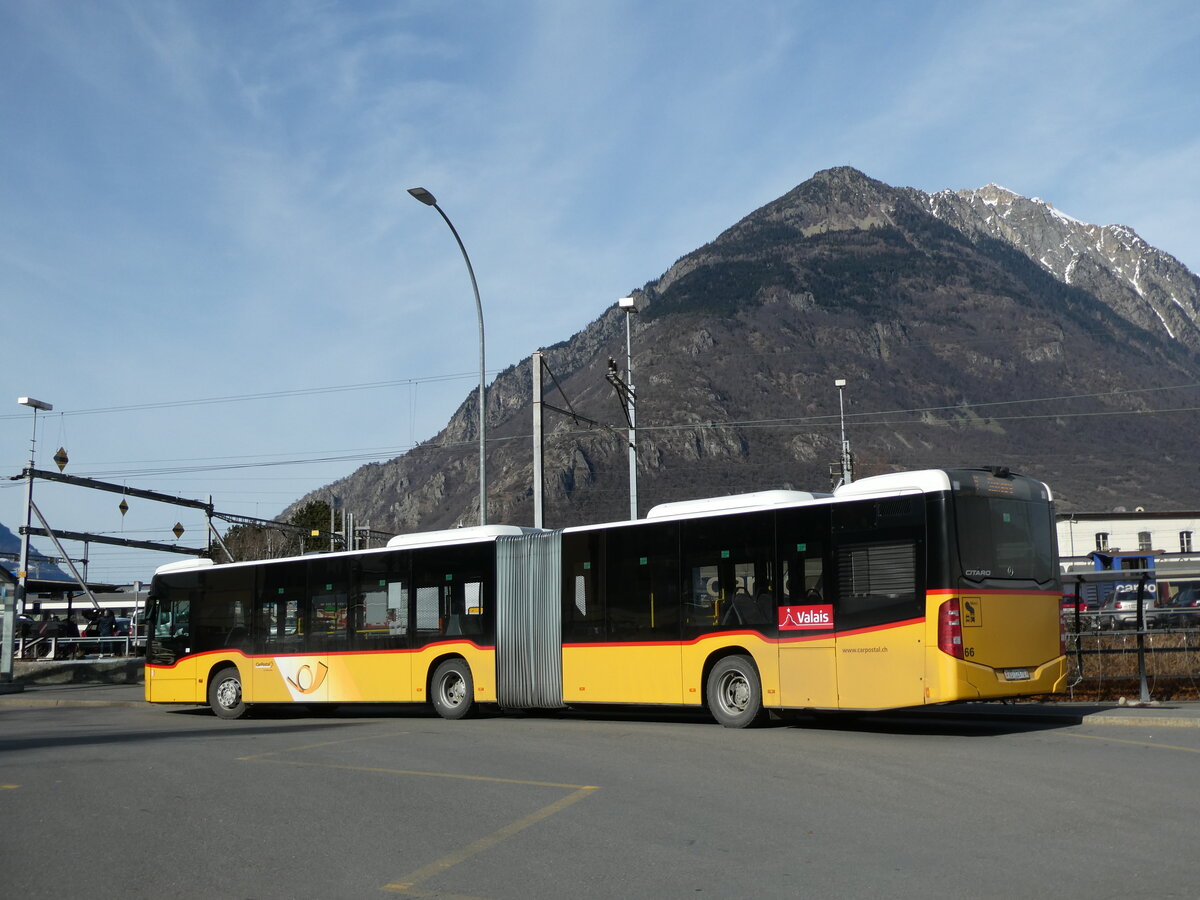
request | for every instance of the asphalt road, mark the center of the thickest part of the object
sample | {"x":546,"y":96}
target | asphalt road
{"x":136,"y":801}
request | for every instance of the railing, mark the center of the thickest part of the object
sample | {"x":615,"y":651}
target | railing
{"x":46,"y":648}
{"x":1158,"y":664}
{"x":1146,"y":615}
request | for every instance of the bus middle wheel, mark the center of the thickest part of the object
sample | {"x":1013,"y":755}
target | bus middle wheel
{"x":734,"y":693}
{"x":452,"y":690}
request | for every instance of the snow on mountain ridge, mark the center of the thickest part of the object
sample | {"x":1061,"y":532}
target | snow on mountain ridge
{"x":1150,"y":287}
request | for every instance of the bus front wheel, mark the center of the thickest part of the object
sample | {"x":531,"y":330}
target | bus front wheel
{"x":225,"y":694}
{"x":735,"y":693}
{"x":452,"y":690}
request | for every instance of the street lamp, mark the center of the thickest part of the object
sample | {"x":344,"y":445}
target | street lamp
{"x":9,"y":619}
{"x":22,"y":571}
{"x":429,"y":200}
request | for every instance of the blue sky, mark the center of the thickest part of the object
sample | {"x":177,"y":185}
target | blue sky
{"x":206,"y":201}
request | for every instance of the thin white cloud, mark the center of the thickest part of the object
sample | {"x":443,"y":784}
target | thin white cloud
{"x":211,"y":196}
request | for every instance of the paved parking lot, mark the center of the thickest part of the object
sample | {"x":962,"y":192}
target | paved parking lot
{"x":1080,"y":801}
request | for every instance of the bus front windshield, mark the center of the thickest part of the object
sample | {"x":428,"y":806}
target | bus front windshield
{"x":1005,"y":535}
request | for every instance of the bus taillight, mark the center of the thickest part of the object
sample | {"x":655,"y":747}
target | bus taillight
{"x":950,"y":629}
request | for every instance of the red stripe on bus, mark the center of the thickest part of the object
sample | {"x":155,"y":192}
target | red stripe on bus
{"x":958,"y":592}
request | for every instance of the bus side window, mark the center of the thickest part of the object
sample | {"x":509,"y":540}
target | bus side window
{"x":379,"y":602}
{"x":728,"y":574}
{"x":814,"y":577}
{"x":380,"y":614}
{"x":429,"y":603}
{"x":878,"y":581}
{"x":642,"y":594}
{"x":582,"y":587}
{"x":263,"y":625}
{"x":453,"y":592}
{"x":465,"y":608}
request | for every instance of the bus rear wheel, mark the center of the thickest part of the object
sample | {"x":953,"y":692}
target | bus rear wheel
{"x":734,"y":693}
{"x":225,"y":694}
{"x":452,"y":690}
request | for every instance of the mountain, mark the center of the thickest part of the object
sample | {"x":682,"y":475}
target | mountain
{"x":971,"y":328}
{"x":1146,"y":286}
{"x":40,"y":565}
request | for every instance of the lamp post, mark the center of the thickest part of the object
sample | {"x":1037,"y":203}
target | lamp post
{"x":847,"y":465}
{"x":626,"y":303}
{"x":429,"y":200}
{"x":23,"y":570}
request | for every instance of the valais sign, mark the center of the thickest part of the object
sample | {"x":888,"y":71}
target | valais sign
{"x":796,"y":618}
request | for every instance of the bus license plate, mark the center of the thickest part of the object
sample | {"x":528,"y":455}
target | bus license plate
{"x":1016,"y":674}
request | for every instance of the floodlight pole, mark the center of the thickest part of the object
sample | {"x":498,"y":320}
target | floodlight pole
{"x":847,"y":464}
{"x":429,"y":200}
{"x":17,"y":603}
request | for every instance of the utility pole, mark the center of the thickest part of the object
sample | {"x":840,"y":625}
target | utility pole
{"x":539,"y":499}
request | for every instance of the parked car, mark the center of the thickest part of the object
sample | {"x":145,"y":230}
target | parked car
{"x":1182,"y":610}
{"x":1120,"y":610}
{"x":1088,"y":609}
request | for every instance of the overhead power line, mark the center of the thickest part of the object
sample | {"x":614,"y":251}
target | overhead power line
{"x":870,"y":418}
{"x":267,"y":395}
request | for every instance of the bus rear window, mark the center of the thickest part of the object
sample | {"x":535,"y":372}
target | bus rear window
{"x":1004,"y":538}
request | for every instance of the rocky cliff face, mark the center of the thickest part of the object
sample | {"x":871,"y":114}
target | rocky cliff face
{"x":1144,"y":285}
{"x":974,"y":327}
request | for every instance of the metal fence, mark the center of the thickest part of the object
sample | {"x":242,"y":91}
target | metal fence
{"x":41,"y":647}
{"x":1143,"y":646}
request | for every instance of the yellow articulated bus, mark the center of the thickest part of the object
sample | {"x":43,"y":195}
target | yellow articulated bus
{"x":894,"y":591}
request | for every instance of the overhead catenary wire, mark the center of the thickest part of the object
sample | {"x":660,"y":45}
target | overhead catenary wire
{"x":862,"y":419}
{"x":265,"y":395}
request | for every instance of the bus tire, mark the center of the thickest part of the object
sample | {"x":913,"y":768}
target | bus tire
{"x":225,"y":694}
{"x":734,"y":693}
{"x":452,"y":690}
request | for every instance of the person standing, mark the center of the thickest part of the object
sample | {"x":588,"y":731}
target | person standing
{"x":105,"y":627}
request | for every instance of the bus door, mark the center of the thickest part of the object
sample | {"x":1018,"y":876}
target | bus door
{"x":878,"y":578}
{"x":170,"y":637}
{"x":322,"y":675}
{"x":277,"y":629}
{"x":379,"y":623}
{"x":807,"y":668}
{"x":640,"y":660}
{"x":880,"y":625}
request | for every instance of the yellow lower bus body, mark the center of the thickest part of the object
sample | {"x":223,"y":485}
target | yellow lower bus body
{"x":393,"y":676}
{"x":1010,"y":645}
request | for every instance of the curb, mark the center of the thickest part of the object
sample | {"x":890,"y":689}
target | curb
{"x":1142,"y":721}
{"x":35,"y":703}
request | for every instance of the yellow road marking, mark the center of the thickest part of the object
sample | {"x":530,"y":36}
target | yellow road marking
{"x":361,"y":737}
{"x":382,"y":771}
{"x":8,"y":787}
{"x":408,"y":885}
{"x":408,"y":882}
{"x":1099,"y":737}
